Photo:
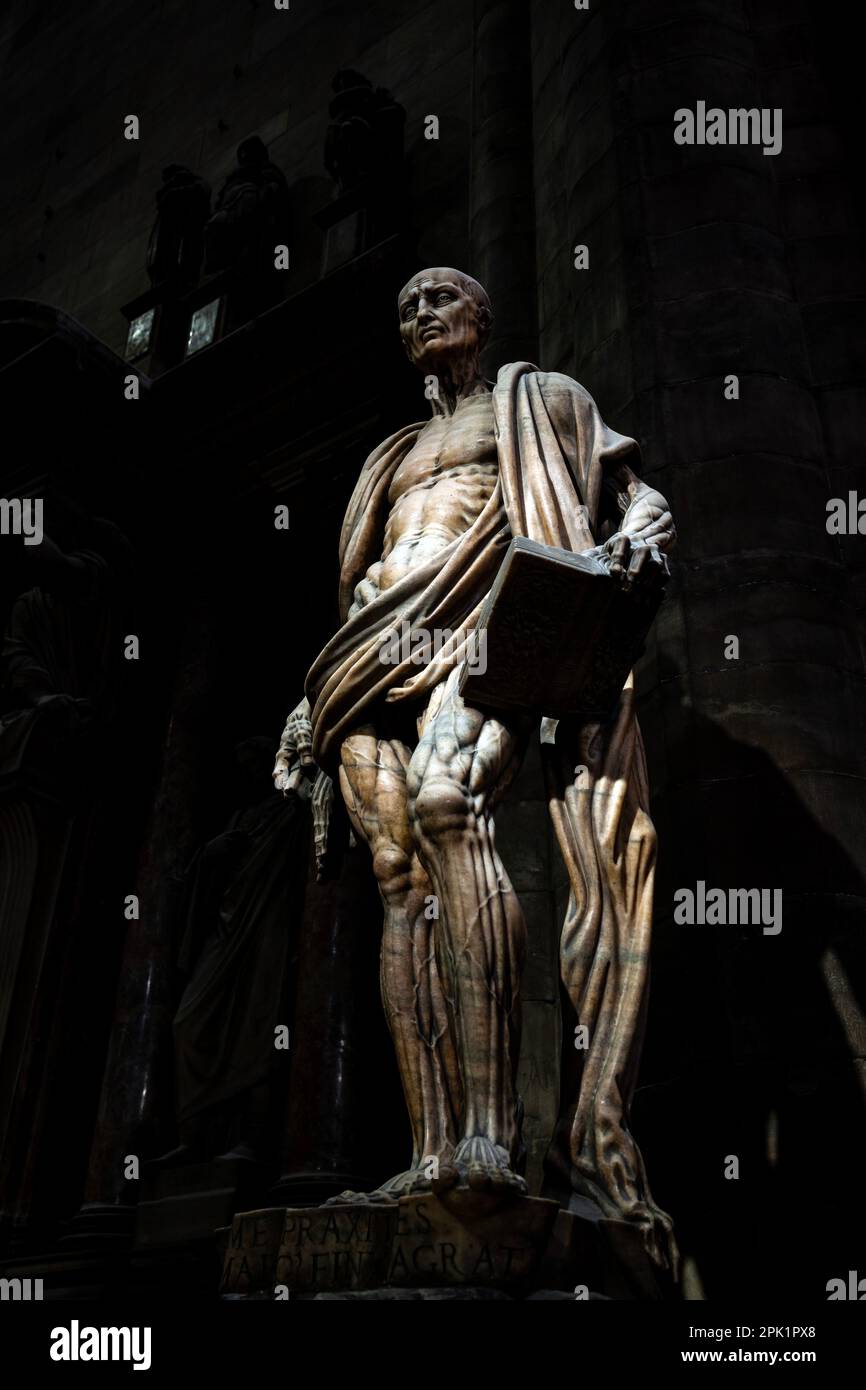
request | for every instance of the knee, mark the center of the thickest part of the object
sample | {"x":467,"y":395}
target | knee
{"x":442,"y":808}
{"x":392,"y":868}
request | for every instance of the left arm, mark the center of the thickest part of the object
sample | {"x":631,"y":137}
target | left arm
{"x":645,"y":514}
{"x":646,"y":530}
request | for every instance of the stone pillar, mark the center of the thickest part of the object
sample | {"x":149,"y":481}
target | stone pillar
{"x":707,"y":263}
{"x":136,"y":1107}
{"x":502,"y":242}
{"x":502,"y":208}
{"x":335,"y":1083}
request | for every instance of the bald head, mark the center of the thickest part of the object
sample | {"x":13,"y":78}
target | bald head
{"x":444,"y":315}
{"x":446,"y":273}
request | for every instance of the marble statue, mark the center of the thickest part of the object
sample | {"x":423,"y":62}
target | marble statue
{"x":421,"y":771}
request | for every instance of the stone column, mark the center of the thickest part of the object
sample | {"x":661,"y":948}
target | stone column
{"x":502,"y":242}
{"x":502,"y":206}
{"x":136,"y":1107}
{"x":335,"y":1076}
{"x":708,"y":263}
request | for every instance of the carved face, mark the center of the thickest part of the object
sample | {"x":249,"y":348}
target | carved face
{"x":440,"y":320}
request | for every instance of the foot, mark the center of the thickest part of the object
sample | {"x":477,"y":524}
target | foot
{"x":367,"y":1199}
{"x":408,"y":1184}
{"x":481,"y":1166}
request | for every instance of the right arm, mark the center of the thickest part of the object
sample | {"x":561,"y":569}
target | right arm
{"x":295,"y":771}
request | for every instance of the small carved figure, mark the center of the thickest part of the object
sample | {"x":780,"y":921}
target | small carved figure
{"x":365,"y":137}
{"x":251,"y":215}
{"x":176,"y":242}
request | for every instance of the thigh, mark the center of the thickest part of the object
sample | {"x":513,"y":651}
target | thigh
{"x":373,"y":782}
{"x":463,"y":745}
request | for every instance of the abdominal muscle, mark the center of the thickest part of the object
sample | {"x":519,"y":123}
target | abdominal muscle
{"x":424,"y":521}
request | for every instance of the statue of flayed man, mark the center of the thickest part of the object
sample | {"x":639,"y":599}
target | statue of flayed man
{"x":421,"y":771}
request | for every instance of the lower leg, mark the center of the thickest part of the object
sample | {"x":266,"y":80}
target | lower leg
{"x":417,"y":1016}
{"x":481,"y":947}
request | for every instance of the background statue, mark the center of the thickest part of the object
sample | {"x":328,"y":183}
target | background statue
{"x":176,"y":243}
{"x":365,"y":137}
{"x":57,"y":656}
{"x":421,"y":771}
{"x":61,"y":656}
{"x":251,"y":215}
{"x":234,"y":955}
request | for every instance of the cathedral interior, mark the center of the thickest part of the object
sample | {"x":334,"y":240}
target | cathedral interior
{"x":209,"y":210}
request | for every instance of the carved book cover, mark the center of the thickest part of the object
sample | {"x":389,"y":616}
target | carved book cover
{"x":561,"y":634}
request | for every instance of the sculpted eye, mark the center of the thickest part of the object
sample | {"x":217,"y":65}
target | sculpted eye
{"x":444,"y":297}
{"x":408,"y":313}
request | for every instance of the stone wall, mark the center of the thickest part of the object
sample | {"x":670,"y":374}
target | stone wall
{"x":707,"y":261}
{"x":201,"y":77}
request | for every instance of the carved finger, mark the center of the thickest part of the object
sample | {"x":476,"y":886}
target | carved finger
{"x":280,"y":775}
{"x":657,"y":565}
{"x":620,"y":546}
{"x":660,"y":531}
{"x":322,"y":801}
{"x":297,"y":738}
{"x":295,"y":782}
{"x":637,"y":560}
{"x":284,"y":760}
{"x":632,"y":569}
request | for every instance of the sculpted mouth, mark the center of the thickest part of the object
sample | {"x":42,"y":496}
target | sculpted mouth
{"x":429,"y":331}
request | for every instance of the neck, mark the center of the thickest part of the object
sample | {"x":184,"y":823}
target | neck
{"x":456,"y":380}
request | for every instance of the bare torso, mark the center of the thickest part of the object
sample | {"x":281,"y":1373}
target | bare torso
{"x":438,"y":491}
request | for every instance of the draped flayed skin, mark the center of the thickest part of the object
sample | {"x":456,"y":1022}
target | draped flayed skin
{"x":553,"y":453}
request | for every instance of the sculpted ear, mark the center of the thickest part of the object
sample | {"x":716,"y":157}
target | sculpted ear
{"x":485,"y":323}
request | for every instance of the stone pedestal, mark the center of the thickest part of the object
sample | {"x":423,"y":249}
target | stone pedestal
{"x":188,"y":1203}
{"x":457,"y":1241}
{"x":460,"y":1238}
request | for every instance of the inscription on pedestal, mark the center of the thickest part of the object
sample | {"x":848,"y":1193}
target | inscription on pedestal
{"x":420,"y":1242}
{"x":250,"y":1261}
{"x":466,"y":1238}
{"x":336,"y":1247}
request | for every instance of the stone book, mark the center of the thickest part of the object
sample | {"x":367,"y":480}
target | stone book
{"x":561,"y":635}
